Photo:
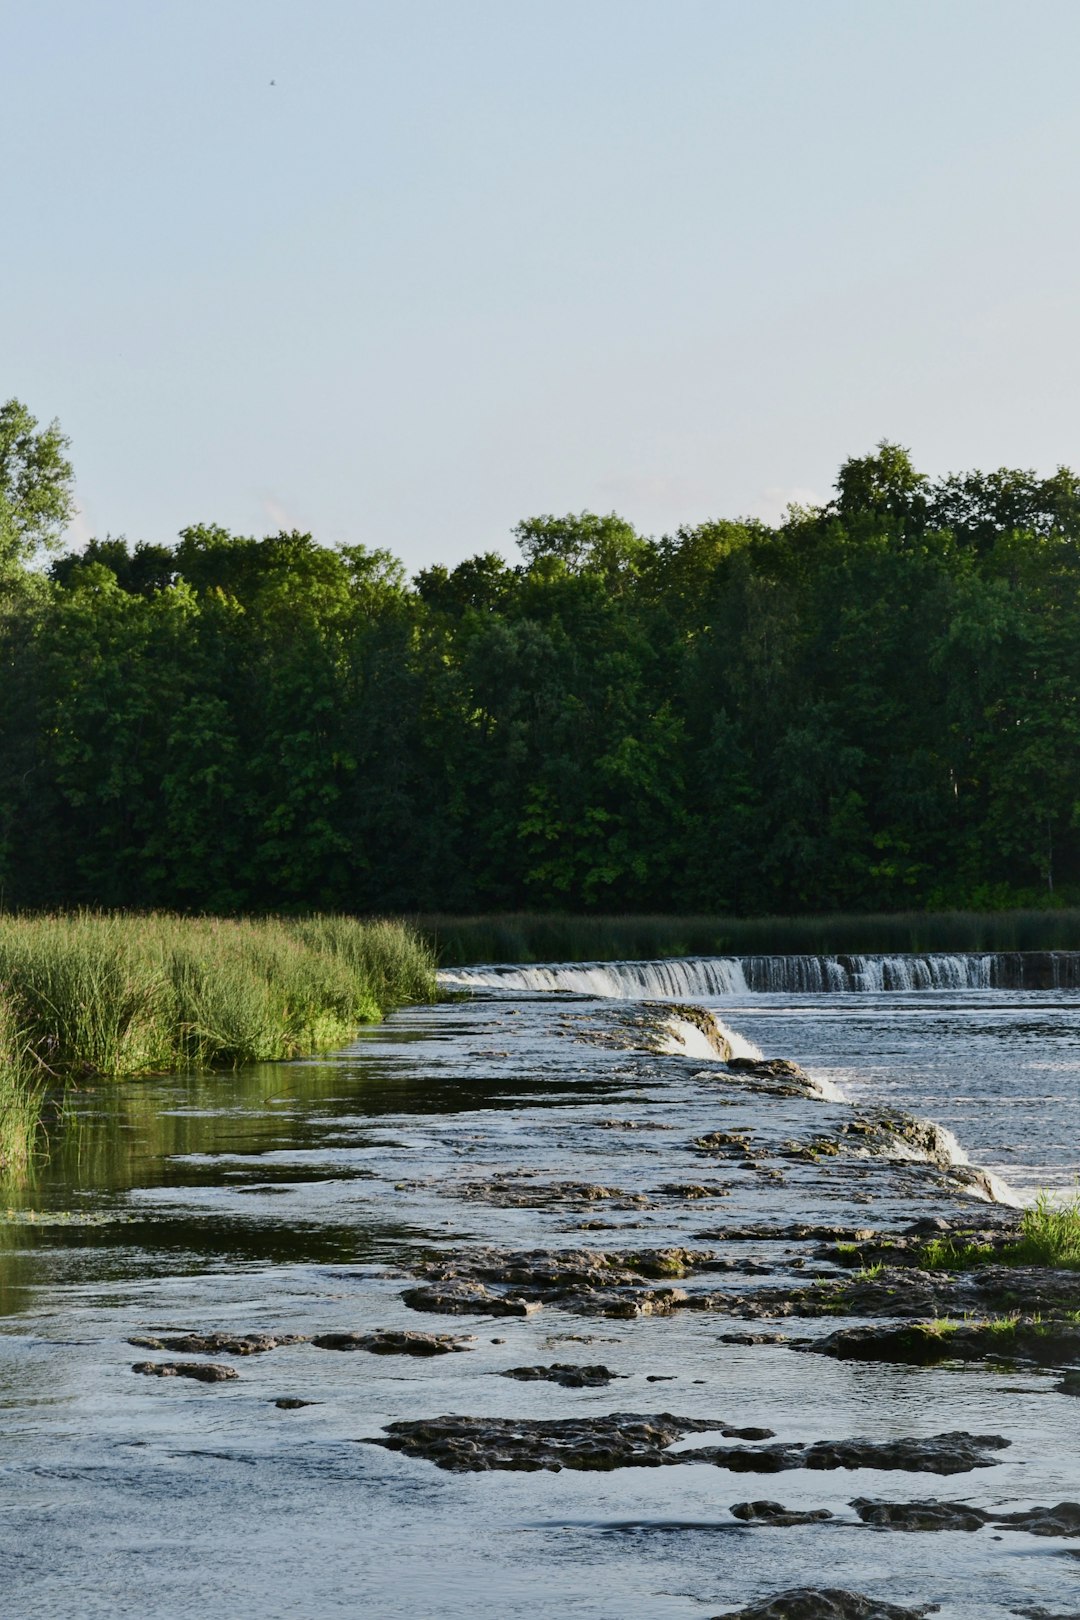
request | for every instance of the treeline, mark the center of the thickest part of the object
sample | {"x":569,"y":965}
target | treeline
{"x":872,"y":706}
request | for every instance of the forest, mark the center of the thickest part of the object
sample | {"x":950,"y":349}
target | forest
{"x":871,"y":706}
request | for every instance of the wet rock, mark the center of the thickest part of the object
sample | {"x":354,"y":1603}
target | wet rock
{"x":929,"y":1515}
{"x":292,"y":1403}
{"x":773,"y":1077}
{"x":218,"y":1344}
{"x":825,"y":1603}
{"x":386,"y":1343}
{"x":511,"y":1191}
{"x":727,"y":1145}
{"x":1062,"y":1520}
{"x":692,"y":1190}
{"x":1041,"y":1343}
{"x":476,"y":1444}
{"x":630,"y":1440}
{"x":953,"y":1453}
{"x":206,"y":1372}
{"x":754,"y":1338}
{"x":569,"y":1374}
{"x":776,"y":1514}
{"x":1069,"y":1385}
{"x":587,"y":1281}
{"x":466,"y":1299}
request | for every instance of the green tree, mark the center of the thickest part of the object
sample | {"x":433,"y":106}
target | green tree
{"x":36,"y":502}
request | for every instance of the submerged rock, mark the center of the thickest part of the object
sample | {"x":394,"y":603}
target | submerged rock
{"x":387,"y":1343}
{"x":825,"y":1603}
{"x":569,"y":1374}
{"x":775,"y":1513}
{"x":206,"y":1372}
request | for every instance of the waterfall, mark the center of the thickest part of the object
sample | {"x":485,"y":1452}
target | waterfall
{"x":690,"y":977}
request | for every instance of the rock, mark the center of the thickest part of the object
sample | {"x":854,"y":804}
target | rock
{"x":220,"y":1344}
{"x":1043,"y":1343}
{"x":207,"y":1372}
{"x":467,"y":1299}
{"x":825,"y":1603}
{"x":754,"y":1338}
{"x":1062,"y":1520}
{"x":692,"y":1190}
{"x":954,"y":1453}
{"x":587,"y":1281}
{"x":775,"y":1513}
{"x":291,"y":1403}
{"x":929,"y":1515}
{"x":569,"y":1374}
{"x":1069,"y":1385}
{"x":630,"y":1440}
{"x":386,"y":1343}
{"x":476,"y":1444}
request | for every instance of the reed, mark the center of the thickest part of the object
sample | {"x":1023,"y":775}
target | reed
{"x":21,"y":1093}
{"x":109,"y":994}
{"x":522,"y":937}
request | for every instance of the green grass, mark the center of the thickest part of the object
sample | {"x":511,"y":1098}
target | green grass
{"x":523,"y":937}
{"x":1049,"y":1236}
{"x":118,"y":995}
{"x":21,"y":1092}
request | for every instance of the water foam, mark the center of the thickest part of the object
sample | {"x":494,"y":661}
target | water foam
{"x":685,"y":1039}
{"x":689,"y":977}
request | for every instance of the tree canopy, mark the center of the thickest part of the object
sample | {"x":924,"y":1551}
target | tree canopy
{"x":870,"y":705}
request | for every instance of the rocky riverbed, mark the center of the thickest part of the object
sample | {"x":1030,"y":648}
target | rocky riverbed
{"x":484,"y":1318}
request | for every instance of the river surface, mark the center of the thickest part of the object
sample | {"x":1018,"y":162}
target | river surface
{"x":301,"y":1198}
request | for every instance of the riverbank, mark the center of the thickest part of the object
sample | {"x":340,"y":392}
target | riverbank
{"x":539,"y":937}
{"x":96,"y":994}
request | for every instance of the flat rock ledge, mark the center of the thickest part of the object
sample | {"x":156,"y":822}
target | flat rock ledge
{"x":636,"y":1440}
{"x":1060,"y":1520}
{"x":217,"y":1344}
{"x":825,"y":1603}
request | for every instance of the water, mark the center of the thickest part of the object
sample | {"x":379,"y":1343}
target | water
{"x":300,"y":1197}
{"x":1000,"y":1068}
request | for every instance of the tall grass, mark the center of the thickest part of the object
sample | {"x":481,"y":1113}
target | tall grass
{"x":123,"y":994}
{"x":1049,"y":1236}
{"x":21,"y":1094}
{"x":552,"y":938}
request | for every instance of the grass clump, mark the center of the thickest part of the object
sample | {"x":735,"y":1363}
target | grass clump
{"x":101,"y":994}
{"x":1049,"y":1236}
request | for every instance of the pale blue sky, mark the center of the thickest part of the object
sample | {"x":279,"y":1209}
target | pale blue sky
{"x":473,"y":260}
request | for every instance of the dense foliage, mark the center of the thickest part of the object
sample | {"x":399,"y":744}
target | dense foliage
{"x":873,"y":705}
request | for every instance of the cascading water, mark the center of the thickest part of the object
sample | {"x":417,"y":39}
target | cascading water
{"x":711,"y":976}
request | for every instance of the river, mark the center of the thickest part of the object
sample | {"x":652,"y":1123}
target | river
{"x":307,"y":1198}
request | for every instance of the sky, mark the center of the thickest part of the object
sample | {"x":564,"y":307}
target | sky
{"x":404,"y":272}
